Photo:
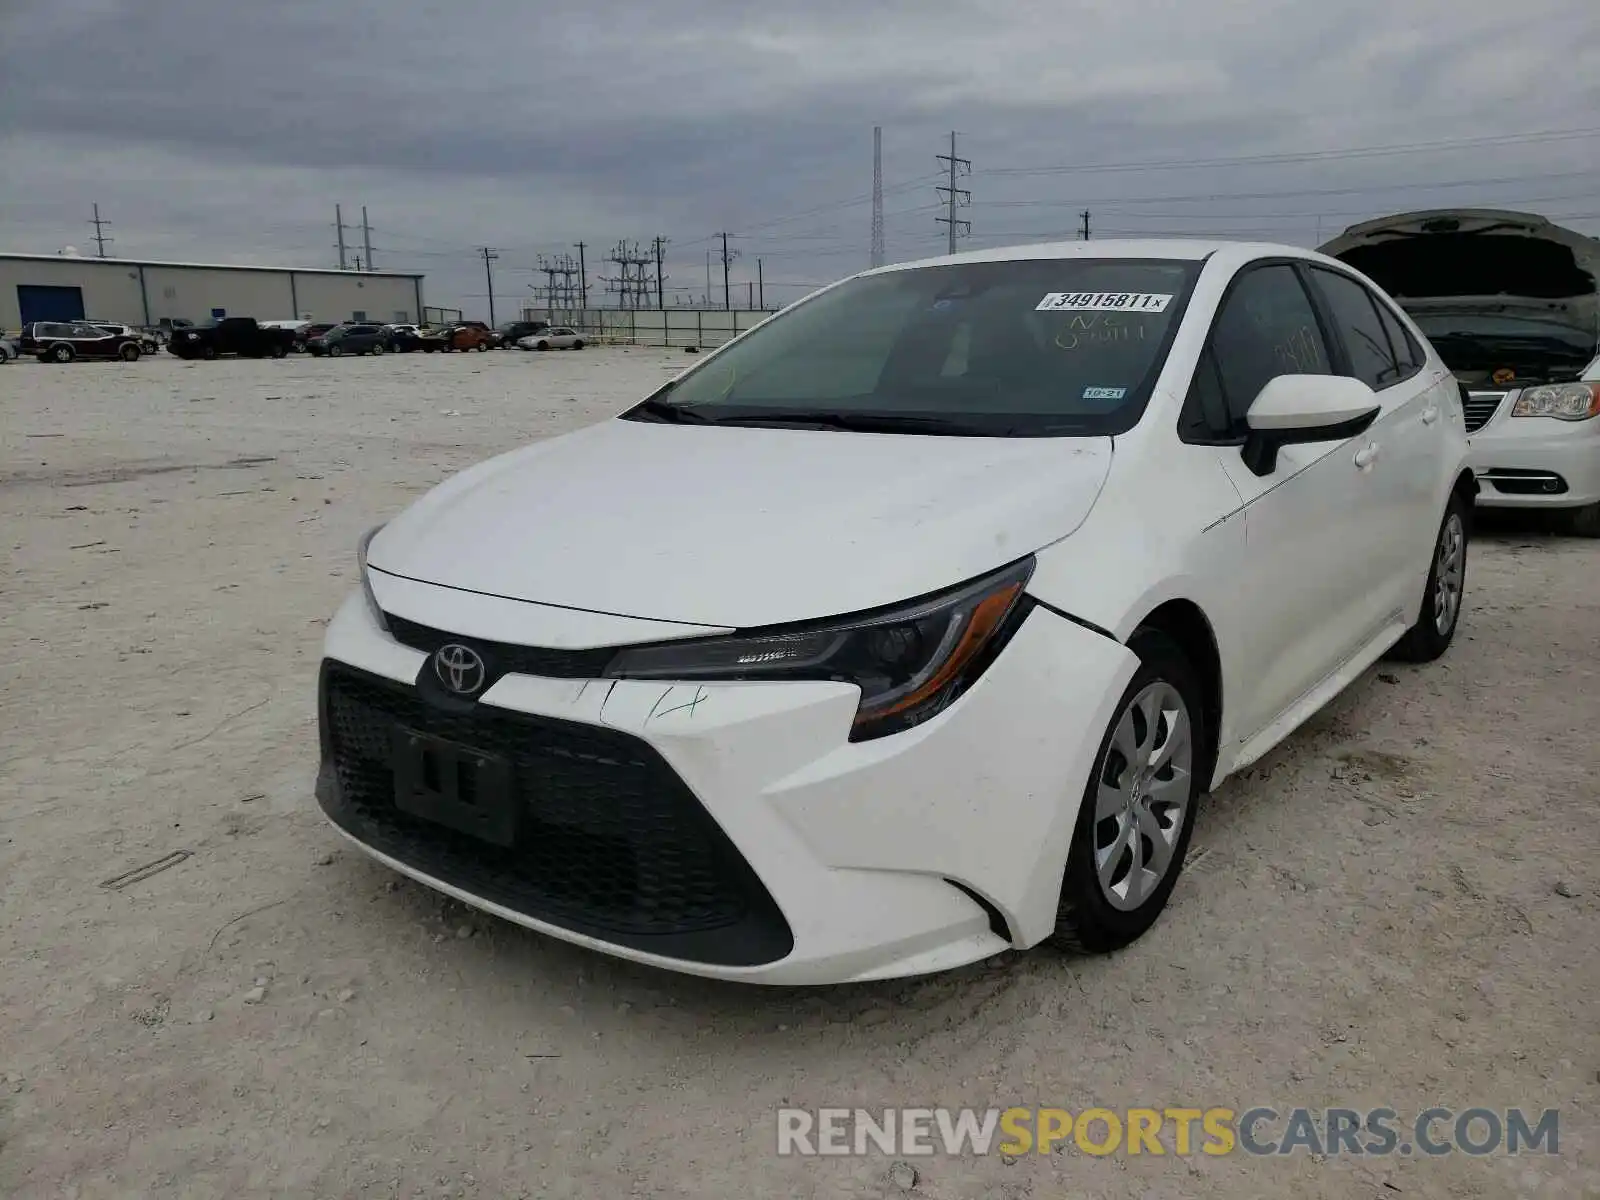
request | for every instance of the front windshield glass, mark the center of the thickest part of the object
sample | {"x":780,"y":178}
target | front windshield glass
{"x":1020,"y":348}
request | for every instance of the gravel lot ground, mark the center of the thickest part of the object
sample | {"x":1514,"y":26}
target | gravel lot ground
{"x":1398,"y":907}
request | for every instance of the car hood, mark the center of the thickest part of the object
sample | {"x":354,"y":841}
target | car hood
{"x":739,"y":527}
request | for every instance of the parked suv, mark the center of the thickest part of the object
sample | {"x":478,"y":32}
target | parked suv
{"x":351,"y":338}
{"x":63,"y":341}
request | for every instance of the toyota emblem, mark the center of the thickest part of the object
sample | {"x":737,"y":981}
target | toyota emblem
{"x":459,"y":668}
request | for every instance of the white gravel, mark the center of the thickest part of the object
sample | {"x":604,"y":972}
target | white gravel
{"x":1373,"y":917}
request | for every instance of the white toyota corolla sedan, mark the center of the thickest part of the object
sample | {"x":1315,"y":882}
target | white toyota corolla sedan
{"x":911,"y":625}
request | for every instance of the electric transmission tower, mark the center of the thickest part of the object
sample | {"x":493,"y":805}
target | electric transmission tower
{"x":877,"y":195}
{"x":558,"y":275}
{"x":632,"y":284}
{"x":955,"y":197}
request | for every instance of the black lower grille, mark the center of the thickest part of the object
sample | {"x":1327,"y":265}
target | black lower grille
{"x":610,"y":841}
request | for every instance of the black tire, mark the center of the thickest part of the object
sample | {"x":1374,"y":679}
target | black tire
{"x":1087,"y":922}
{"x":377,"y":347}
{"x":578,"y":345}
{"x":280,"y":351}
{"x":208,"y":352}
{"x":129,"y":353}
{"x":62,"y":354}
{"x":336,"y":351}
{"x":1585,"y":521}
{"x":1426,"y":640}
{"x":483,"y":346}
{"x":542,"y":346}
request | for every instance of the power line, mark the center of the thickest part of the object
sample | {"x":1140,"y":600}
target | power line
{"x":1306,"y":156}
{"x":100,"y":238}
{"x":954,"y":196}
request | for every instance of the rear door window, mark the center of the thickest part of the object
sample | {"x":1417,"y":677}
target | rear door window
{"x":1355,"y":317}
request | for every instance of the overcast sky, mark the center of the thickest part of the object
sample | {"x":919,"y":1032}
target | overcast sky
{"x":226,"y":130}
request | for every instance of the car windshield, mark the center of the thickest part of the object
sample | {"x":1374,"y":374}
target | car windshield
{"x":1018,"y":348}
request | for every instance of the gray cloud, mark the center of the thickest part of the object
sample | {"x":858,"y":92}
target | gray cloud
{"x":225,"y":131}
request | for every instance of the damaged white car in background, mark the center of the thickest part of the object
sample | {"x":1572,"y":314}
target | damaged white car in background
{"x":1510,"y":302}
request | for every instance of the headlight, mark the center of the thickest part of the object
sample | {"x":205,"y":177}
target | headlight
{"x":910,"y":661}
{"x":1564,"y":401}
{"x":366,"y":583}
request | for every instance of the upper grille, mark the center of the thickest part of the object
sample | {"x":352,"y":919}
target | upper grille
{"x":1479,"y":407}
{"x":502,"y":658}
{"x":611,"y":842}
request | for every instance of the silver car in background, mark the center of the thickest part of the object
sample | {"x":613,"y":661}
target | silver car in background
{"x":558,"y":337}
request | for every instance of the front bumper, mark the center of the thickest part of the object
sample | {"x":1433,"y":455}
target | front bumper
{"x":847,"y":861}
{"x":1536,"y":462}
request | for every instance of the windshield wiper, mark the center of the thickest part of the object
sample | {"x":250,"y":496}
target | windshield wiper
{"x":863,"y":423}
{"x":660,"y":410}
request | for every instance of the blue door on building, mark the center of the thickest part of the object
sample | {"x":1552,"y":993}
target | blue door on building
{"x":41,"y":302}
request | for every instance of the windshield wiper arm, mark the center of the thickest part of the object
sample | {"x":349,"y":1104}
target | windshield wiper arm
{"x":660,"y":410}
{"x":862,"y":422}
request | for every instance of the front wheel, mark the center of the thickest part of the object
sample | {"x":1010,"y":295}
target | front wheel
{"x":377,"y":347}
{"x":1138,"y":810}
{"x":280,"y":351}
{"x":483,"y":346}
{"x":61,"y":354}
{"x":1441,"y":601}
{"x":129,"y":353}
{"x":578,"y":345}
{"x":335,"y":351}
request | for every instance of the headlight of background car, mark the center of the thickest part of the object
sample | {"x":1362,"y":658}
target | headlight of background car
{"x":366,"y":583}
{"x":1564,"y":401}
{"x":910,"y":661}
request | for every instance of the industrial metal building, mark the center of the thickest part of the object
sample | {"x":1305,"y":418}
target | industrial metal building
{"x":62,"y":287}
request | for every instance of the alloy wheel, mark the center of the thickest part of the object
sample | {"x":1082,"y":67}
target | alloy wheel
{"x":1143,"y":795}
{"x":1449,"y":569}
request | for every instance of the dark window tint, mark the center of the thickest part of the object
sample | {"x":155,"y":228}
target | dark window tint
{"x":1407,"y":354}
{"x":1355,"y":314}
{"x":1205,"y":413}
{"x":1266,"y":328}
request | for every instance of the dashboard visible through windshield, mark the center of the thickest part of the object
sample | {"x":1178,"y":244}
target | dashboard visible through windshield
{"x":1035,"y":347}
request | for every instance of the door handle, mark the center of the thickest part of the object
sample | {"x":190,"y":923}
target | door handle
{"x":1430,"y":414}
{"x":1366,"y":456}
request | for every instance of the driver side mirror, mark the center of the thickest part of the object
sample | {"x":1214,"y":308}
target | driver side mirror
{"x":1294,"y":409}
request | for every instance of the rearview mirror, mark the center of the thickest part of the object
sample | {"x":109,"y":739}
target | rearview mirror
{"x":1294,"y":409}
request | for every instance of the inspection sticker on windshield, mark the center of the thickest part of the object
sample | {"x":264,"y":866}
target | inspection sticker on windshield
{"x":1104,"y":393}
{"x":1105,"y":302}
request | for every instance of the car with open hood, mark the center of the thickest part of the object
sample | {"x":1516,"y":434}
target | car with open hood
{"x":911,"y":625}
{"x":1511,"y":301}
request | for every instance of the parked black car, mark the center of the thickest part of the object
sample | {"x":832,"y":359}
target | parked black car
{"x":231,"y":335}
{"x":351,"y":338}
{"x":63,"y":341}
{"x":303,"y":338}
{"x":514,"y":330}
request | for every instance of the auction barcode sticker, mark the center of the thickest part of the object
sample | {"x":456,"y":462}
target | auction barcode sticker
{"x":1105,"y":302}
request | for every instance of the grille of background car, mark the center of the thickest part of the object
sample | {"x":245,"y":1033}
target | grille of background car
{"x":1479,"y":407}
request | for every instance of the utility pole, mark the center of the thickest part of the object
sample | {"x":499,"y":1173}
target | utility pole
{"x":660,"y":245}
{"x":489,"y":255}
{"x":100,"y":238}
{"x":1085,"y":231}
{"x":955,"y":197}
{"x":338,"y":223}
{"x":761,"y":288}
{"x":706,"y":299}
{"x":727,"y":258}
{"x":366,"y":238}
{"x":583,"y":277}
{"x":877,"y":195}
{"x":358,"y":262}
